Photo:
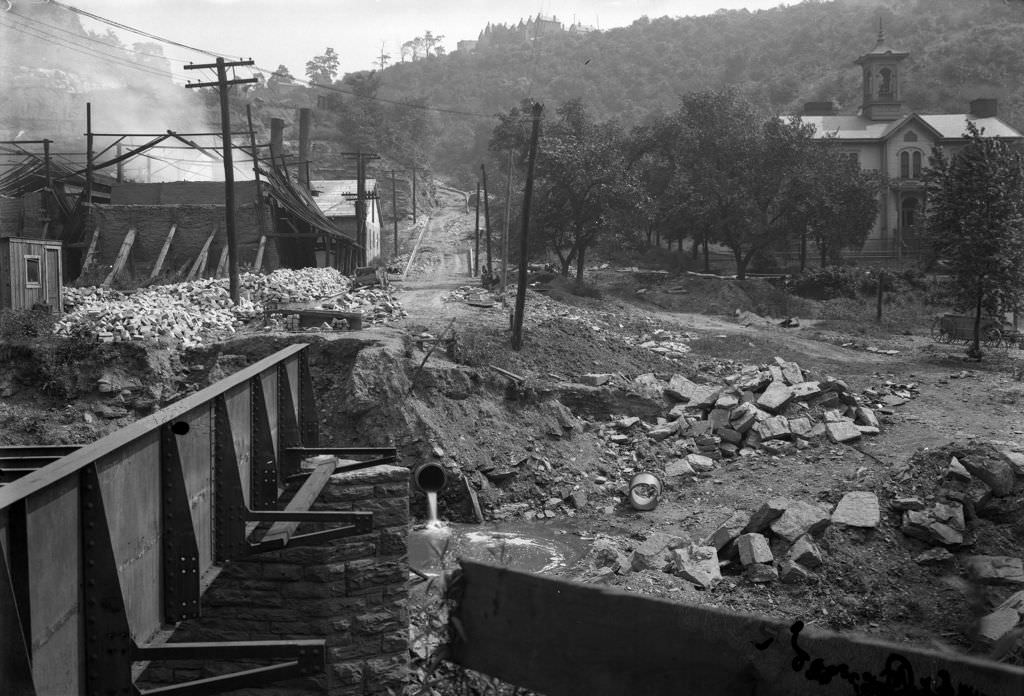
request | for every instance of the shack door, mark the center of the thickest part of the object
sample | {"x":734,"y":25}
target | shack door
{"x":52,"y":273}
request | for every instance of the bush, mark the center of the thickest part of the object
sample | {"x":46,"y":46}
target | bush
{"x":21,"y":324}
{"x":832,"y":282}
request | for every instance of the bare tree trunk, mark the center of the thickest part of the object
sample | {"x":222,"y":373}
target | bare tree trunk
{"x":976,"y":348}
{"x":707,"y":256}
{"x":579,"y":266}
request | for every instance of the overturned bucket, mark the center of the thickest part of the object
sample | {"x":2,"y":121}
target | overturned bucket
{"x":644,"y":491}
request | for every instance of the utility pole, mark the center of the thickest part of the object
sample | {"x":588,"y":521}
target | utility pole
{"x":394,"y":208}
{"x":88,"y":154}
{"x":222,"y":85}
{"x":508,"y":216}
{"x":487,"y":221}
{"x":120,"y":166}
{"x":517,"y":320}
{"x":476,"y":235}
{"x":414,"y":195}
{"x":360,"y":199}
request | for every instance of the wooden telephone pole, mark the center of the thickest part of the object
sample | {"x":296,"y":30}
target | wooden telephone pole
{"x":487,"y":221}
{"x":476,"y":235}
{"x":222,"y":85}
{"x":524,"y":245}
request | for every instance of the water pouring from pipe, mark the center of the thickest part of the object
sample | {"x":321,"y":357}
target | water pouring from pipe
{"x":430,"y":478}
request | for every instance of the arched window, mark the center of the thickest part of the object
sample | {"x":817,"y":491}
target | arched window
{"x":904,"y":165}
{"x":916,"y":164}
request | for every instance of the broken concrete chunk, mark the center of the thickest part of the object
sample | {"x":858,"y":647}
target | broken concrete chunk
{"x":699,"y":462}
{"x":680,"y":389}
{"x":865,"y":416}
{"x":662,"y":432}
{"x":907,"y":503}
{"x":651,"y":553}
{"x":706,"y":396}
{"x":729,"y":530}
{"x":677,"y":471}
{"x":842,"y":431}
{"x":774,"y":397}
{"x":729,"y":435}
{"x":753,"y":548}
{"x":868,"y":430}
{"x":743,"y":418}
{"x":772,"y":428}
{"x":719,"y":417}
{"x":678,"y":411}
{"x":936,"y":556}
{"x":753,"y":380}
{"x":648,"y":385}
{"x":1015,"y":460}
{"x":857,"y":509}
{"x":803,"y":391}
{"x":578,"y":499}
{"x":997,"y":473}
{"x":805,"y":552}
{"x":800,"y":518}
{"x":766,"y":514}
{"x":761,"y":573}
{"x":940,"y":524}
{"x":791,"y":372}
{"x":995,"y":625}
{"x":996,"y":570}
{"x":801,"y":427}
{"x":626,"y":423}
{"x":792,"y":573}
{"x":596,"y":380}
{"x":697,"y":564}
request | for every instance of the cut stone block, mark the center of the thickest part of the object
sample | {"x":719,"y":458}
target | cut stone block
{"x":697,"y":564}
{"x":677,"y":471}
{"x":997,"y":473}
{"x":651,"y":553}
{"x":1015,"y":460}
{"x":626,"y":423}
{"x":745,"y":420}
{"x":996,"y":570}
{"x":753,"y":381}
{"x":719,"y":418}
{"x":729,"y":435}
{"x":680,"y":389}
{"x":753,"y":548}
{"x":665,"y":431}
{"x":705,"y":396}
{"x":761,"y":573}
{"x":800,"y":518}
{"x":791,"y":372}
{"x":940,"y":524}
{"x":727,"y":400}
{"x":857,"y":509}
{"x":649,"y":385}
{"x":678,"y":411}
{"x":995,"y":625}
{"x":772,"y":428}
{"x":907,"y":503}
{"x":842,"y":431}
{"x":803,"y":391}
{"x":801,"y":427}
{"x":596,"y":380}
{"x":699,"y":462}
{"x":805,"y":552}
{"x":774,"y":397}
{"x":936,"y":556}
{"x":729,"y":530}
{"x":766,"y":514}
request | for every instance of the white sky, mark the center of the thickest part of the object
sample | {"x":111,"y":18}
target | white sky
{"x":290,"y":33}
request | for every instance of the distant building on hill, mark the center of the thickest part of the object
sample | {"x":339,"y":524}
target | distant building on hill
{"x":886,"y":138}
{"x":466,"y":46}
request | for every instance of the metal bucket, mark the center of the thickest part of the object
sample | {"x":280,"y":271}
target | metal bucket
{"x":644,"y":491}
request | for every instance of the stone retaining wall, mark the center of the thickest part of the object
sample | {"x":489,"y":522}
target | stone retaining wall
{"x":351,"y":592}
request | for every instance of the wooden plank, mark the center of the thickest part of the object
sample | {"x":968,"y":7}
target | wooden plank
{"x":90,"y":255}
{"x":122,"y":256}
{"x":159,"y":265}
{"x":568,"y":639}
{"x":222,"y":264}
{"x":258,"y":263}
{"x":200,"y":265}
{"x":301,"y":502}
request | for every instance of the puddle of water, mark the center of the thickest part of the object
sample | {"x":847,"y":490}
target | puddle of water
{"x":533,"y":547}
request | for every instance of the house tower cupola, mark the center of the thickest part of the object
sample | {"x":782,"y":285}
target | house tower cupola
{"x":880,"y":67}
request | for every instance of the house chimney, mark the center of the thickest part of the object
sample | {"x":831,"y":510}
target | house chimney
{"x":822,"y":108}
{"x":305,"y":119}
{"x":984,"y":108}
{"x":277,"y":142}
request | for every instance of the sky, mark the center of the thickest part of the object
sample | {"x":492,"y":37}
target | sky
{"x":291,"y":33}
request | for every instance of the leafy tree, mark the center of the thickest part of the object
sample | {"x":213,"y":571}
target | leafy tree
{"x":840,"y":207}
{"x":744,"y":171}
{"x":323,"y":69}
{"x":281,"y":76}
{"x":975,"y":221}
{"x":585,"y":192}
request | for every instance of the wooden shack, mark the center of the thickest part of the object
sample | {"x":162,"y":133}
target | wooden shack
{"x":30,"y":274}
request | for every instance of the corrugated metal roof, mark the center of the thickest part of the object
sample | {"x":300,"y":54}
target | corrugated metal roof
{"x":180,"y":193}
{"x":332,"y":196}
{"x":946,"y":125}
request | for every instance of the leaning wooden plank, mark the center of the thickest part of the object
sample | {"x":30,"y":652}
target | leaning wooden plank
{"x":301,"y":502}
{"x":566,"y":639}
{"x":159,"y":265}
{"x":258,"y":263}
{"x":122,"y":256}
{"x":90,"y":255}
{"x":200,"y":264}
{"x":222,"y":264}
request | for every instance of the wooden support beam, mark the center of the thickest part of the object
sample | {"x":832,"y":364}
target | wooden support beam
{"x":563,"y":638}
{"x":90,"y":255}
{"x":159,"y":265}
{"x":200,"y":264}
{"x":258,"y":263}
{"x":282,"y":532}
{"x":222,"y":264}
{"x":122,"y":256}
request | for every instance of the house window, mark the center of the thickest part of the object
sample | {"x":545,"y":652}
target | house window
{"x":908,"y":213}
{"x":33,"y":274}
{"x":904,"y":165}
{"x":915,"y":159}
{"x":910,"y":164}
{"x":852,"y":158}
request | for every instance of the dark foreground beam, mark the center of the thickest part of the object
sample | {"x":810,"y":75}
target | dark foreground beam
{"x":567,"y":639}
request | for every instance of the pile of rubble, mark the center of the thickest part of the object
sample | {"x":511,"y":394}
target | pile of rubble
{"x":667,"y":343}
{"x":774,"y":408}
{"x":775,"y":543}
{"x":195,"y":312}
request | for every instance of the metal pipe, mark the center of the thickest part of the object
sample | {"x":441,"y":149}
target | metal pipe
{"x":430,"y":477}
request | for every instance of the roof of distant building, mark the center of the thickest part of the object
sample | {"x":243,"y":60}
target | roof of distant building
{"x":336,"y":197}
{"x":947,"y":126}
